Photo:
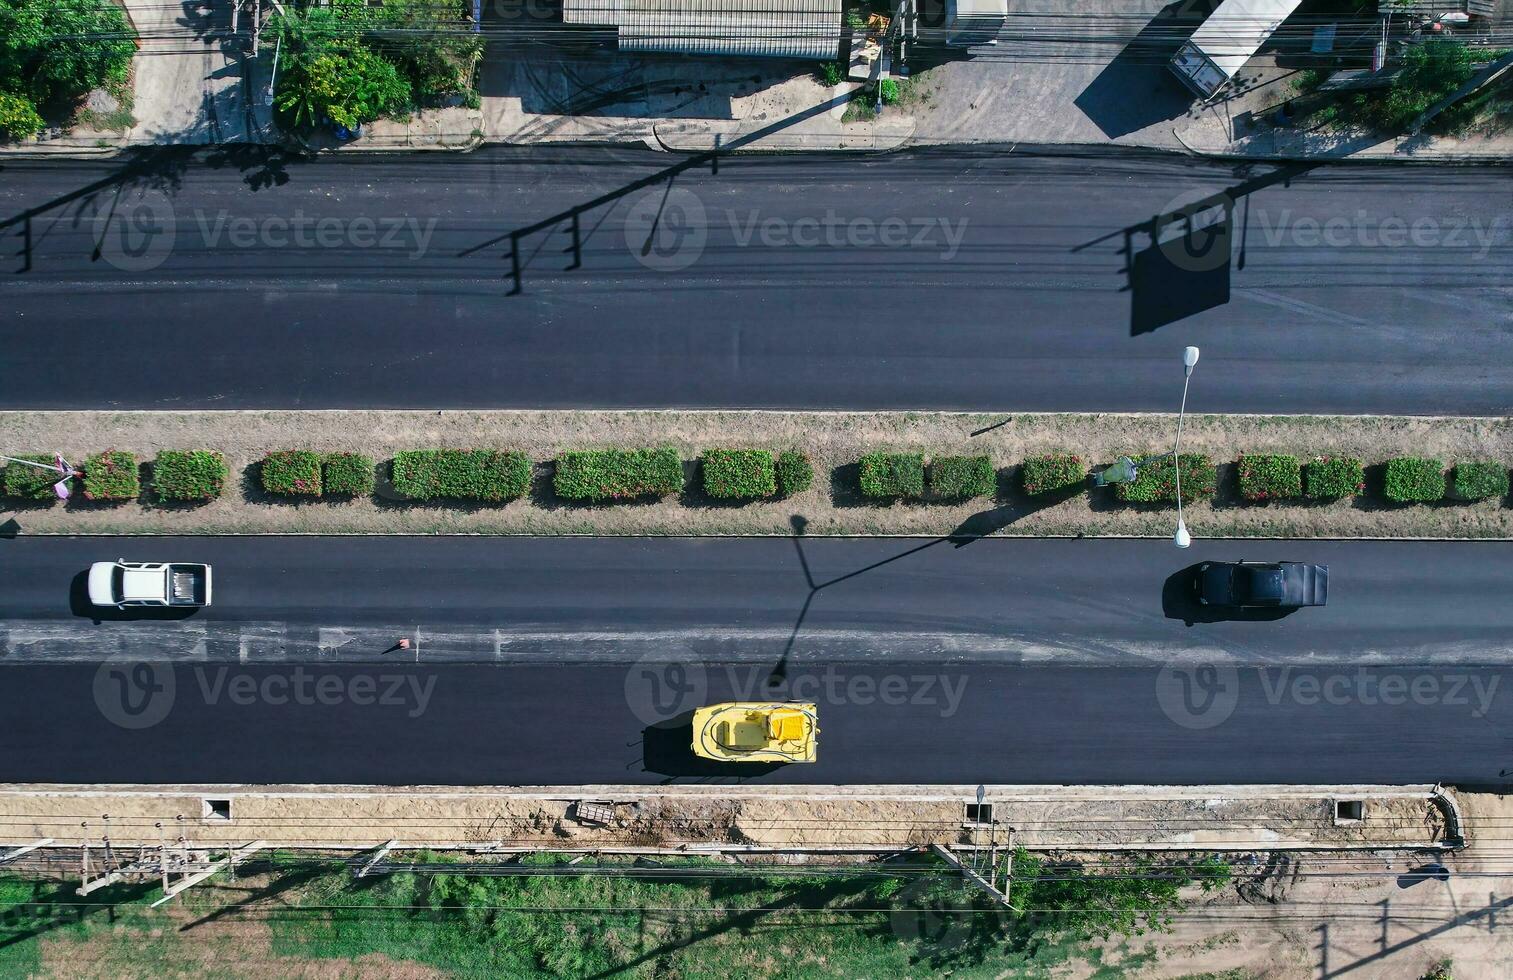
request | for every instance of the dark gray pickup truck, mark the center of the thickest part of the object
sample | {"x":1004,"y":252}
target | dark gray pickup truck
{"x":1262,"y":584}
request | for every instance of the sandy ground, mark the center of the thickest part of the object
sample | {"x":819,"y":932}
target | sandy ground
{"x":834,"y":441}
{"x":1087,"y":817}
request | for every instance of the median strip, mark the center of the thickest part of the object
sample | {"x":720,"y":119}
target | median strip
{"x":722,"y":473}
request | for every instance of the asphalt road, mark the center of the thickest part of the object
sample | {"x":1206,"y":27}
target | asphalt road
{"x":944,"y":279}
{"x":944,"y":664}
{"x":903,"y":723}
{"x":553,"y":600}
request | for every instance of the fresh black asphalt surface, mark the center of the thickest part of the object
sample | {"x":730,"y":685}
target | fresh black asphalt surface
{"x":930,"y":663}
{"x":945,"y":279}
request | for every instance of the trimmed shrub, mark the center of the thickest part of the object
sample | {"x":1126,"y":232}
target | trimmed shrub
{"x":618,"y":474}
{"x":1053,"y":471}
{"x":461,"y":474}
{"x":1333,"y":477}
{"x":111,"y":475}
{"x":18,"y":117}
{"x":31,"y":482}
{"x":962,"y":477}
{"x":892,"y":475}
{"x":194,"y":474}
{"x":1414,"y":479}
{"x":347,"y":474}
{"x":292,"y":473}
{"x":795,"y":472}
{"x":736,"y":474}
{"x":1269,"y":477}
{"x":1157,"y":482}
{"x":1478,"y":480}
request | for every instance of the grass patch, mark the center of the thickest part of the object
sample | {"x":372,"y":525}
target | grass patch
{"x":189,"y":475}
{"x":618,"y":474}
{"x":1414,"y":479}
{"x":738,"y":474}
{"x":884,"y":476}
{"x":962,"y":477}
{"x":111,"y":475}
{"x":490,"y":475}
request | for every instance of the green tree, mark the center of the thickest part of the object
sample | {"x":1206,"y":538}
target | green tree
{"x":18,"y":117}
{"x":341,"y":80}
{"x":1431,"y":71}
{"x":53,"y":52}
{"x":1126,"y":900}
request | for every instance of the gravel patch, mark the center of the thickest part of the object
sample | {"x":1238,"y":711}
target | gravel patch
{"x":835,"y":441}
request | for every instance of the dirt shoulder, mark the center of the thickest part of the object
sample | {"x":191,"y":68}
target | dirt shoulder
{"x":835,"y":441}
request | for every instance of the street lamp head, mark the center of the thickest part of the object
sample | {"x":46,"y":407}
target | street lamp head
{"x":1182,"y":539}
{"x":1189,"y":360}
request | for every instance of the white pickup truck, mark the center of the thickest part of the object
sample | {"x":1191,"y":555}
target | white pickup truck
{"x":126,"y":584}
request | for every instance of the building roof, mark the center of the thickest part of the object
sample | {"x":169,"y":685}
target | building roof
{"x":809,"y":29}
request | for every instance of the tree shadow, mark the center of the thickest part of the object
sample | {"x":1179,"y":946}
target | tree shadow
{"x":62,"y":907}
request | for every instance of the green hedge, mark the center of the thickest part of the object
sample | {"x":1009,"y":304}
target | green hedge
{"x":111,"y":475}
{"x":461,"y":474}
{"x":618,"y":474}
{"x":291,"y":473}
{"x":1053,"y":471}
{"x":1269,"y":477}
{"x":962,"y":477}
{"x":195,"y":474}
{"x":795,"y":472}
{"x":1333,"y":477}
{"x":1478,"y":480}
{"x":1414,"y":479}
{"x":1157,"y":481}
{"x":30,"y":482}
{"x":739,"y":474}
{"x":892,"y":475}
{"x":347,"y":474}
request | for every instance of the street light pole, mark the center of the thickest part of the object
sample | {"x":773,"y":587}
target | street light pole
{"x":1189,"y":360}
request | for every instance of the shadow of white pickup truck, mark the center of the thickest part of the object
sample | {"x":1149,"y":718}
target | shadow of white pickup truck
{"x":126,"y":584}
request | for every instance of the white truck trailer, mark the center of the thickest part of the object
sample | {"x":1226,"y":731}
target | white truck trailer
{"x":1230,"y":36}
